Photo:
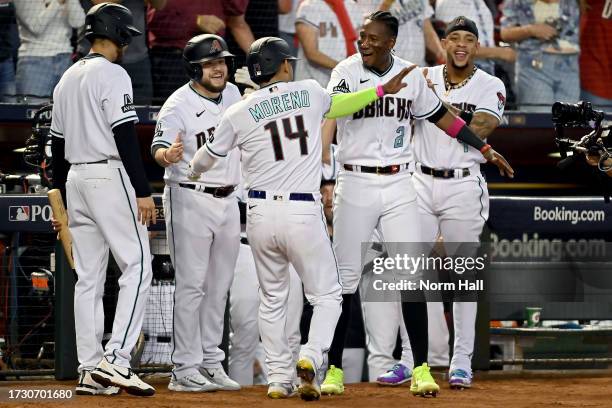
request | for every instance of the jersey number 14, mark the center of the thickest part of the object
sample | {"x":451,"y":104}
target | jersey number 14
{"x":300,"y":134}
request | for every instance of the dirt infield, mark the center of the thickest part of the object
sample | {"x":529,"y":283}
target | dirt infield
{"x":532,"y":392}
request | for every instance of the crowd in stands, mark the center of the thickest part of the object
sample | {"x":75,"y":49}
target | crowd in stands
{"x":544,"y":50}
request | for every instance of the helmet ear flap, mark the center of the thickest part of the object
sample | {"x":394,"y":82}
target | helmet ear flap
{"x":193,"y":69}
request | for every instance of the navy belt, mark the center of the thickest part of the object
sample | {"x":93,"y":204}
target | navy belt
{"x":217,"y":192}
{"x":292,"y":196}
{"x":444,"y":173}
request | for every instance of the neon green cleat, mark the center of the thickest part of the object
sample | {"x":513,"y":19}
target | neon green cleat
{"x":423,"y":383}
{"x":334,"y":382}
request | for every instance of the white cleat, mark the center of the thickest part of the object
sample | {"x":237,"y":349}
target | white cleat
{"x":219,"y":377}
{"x":309,"y":388}
{"x":87,"y":386}
{"x":278,"y":390}
{"x":192,"y":383}
{"x":108,"y":374}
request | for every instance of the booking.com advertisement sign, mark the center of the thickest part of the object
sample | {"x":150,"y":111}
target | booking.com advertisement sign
{"x":532,"y":250}
{"x":520,"y":227}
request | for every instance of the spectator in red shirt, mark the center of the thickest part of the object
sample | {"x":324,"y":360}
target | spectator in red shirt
{"x":171,"y":28}
{"x":596,"y":53}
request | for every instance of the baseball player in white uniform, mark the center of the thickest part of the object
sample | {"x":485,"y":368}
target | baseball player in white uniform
{"x":244,"y":306}
{"x":452,"y":194}
{"x":321,"y":38}
{"x":374,"y":188}
{"x":202,"y":218}
{"x":108,"y":198}
{"x":277,"y":130}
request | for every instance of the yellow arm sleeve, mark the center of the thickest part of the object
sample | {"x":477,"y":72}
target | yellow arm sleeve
{"x":349,"y":103}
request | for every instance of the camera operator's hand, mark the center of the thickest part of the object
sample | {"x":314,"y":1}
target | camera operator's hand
{"x":497,"y":159}
{"x":542,"y":31}
{"x":593,"y":159}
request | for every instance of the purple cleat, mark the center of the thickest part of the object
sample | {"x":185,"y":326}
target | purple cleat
{"x":398,"y":375}
{"x":460,"y":379}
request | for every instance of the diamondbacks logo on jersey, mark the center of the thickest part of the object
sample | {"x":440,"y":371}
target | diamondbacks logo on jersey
{"x":342,"y":87}
{"x":501,"y":100}
{"x":389,"y":106}
{"x":215,"y":47}
{"x":127,"y":104}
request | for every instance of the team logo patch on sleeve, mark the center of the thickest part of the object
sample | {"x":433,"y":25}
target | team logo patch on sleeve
{"x":501,"y":100}
{"x":342,"y":87}
{"x":128,"y":105}
{"x":158,"y":130}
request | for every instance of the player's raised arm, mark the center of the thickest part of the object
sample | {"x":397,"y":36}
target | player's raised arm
{"x":344,"y":104}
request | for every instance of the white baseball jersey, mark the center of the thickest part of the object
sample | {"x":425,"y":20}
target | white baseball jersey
{"x":379,"y":134}
{"x":92,"y":97}
{"x":477,"y":11}
{"x":277,"y":129}
{"x":195,"y":116}
{"x":483,"y":93}
{"x":318,"y":14}
{"x":107,"y":105}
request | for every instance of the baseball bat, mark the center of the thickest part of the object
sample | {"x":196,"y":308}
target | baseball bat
{"x":59,"y":213}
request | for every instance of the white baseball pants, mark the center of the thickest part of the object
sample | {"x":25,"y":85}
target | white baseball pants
{"x":203,"y":237}
{"x":282,"y":231}
{"x":102,"y":215}
{"x":244,"y":309}
{"x":456,"y":209}
{"x":364,"y":202}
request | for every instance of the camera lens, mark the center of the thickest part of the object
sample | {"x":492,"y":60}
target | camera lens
{"x":566,"y":112}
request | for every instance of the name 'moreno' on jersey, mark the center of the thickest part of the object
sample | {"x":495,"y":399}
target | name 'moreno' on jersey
{"x":278,"y":130}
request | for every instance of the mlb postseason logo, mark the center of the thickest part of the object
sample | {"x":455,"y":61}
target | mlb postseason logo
{"x":19,"y":213}
{"x":34,"y":213}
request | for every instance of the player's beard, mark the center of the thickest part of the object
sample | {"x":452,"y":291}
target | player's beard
{"x":207,"y":84}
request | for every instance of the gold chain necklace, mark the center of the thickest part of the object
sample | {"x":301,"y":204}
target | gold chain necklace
{"x":449,"y":87}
